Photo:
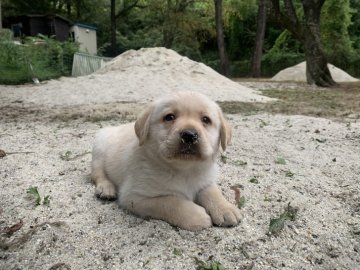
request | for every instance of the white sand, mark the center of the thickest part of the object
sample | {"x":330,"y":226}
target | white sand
{"x":323,"y":156}
{"x":297,"y":73}
{"x":136,"y":76}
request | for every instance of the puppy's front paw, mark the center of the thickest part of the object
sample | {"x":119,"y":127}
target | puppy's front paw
{"x":105,"y":190}
{"x":225,"y":215}
{"x":196,"y":220}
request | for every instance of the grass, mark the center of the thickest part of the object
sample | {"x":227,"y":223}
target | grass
{"x":34,"y":192}
{"x":277,"y":224}
{"x":41,"y":57}
{"x":340,"y":102}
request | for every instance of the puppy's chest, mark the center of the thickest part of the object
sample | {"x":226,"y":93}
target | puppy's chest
{"x":186,"y":183}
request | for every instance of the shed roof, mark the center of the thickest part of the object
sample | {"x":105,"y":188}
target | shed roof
{"x":87,"y":26}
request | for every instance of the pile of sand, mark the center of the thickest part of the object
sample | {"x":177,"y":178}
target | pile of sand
{"x":160,"y":70}
{"x":138,"y":76}
{"x":297,"y":73}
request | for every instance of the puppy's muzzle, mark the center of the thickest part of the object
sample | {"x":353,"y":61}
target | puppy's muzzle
{"x":189,"y":143}
{"x":189,"y":136}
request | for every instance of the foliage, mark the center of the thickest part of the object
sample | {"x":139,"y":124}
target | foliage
{"x":42,"y":58}
{"x":240,"y":27}
{"x":354,"y":27}
{"x":274,"y":62}
{"x":5,"y":35}
{"x":188,"y":26}
{"x":336,"y":19}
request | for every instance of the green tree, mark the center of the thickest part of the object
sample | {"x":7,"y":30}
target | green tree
{"x":354,"y":27}
{"x":224,"y":60}
{"x":306,"y":29}
{"x":335,"y":22}
{"x":255,"y":70}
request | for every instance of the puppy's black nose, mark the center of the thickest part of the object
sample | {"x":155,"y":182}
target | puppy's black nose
{"x":189,"y":136}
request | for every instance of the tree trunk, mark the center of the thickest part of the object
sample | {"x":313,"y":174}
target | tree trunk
{"x":259,"y":42}
{"x":224,"y":61}
{"x":0,"y":16}
{"x":68,"y":8}
{"x":317,"y":70}
{"x":112,"y":28}
{"x":168,"y":31}
{"x":78,"y":9}
{"x":168,"y":38}
{"x":307,"y":32}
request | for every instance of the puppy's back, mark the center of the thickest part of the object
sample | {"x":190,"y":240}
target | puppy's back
{"x":112,"y":149}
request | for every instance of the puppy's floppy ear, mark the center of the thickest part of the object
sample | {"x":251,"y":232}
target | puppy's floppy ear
{"x":142,"y":125}
{"x":225,"y":131}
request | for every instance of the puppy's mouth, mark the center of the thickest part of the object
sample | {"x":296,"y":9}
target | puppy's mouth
{"x":188,"y":151}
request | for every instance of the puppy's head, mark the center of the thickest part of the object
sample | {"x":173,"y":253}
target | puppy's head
{"x":183,"y":126}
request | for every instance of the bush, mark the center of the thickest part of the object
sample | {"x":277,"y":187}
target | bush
{"x":240,"y":68}
{"x":274,"y":62}
{"x":351,"y":65}
{"x":42,"y":58}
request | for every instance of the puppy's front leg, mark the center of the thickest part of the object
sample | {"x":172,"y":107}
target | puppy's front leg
{"x":221,"y":211}
{"x":174,"y":210}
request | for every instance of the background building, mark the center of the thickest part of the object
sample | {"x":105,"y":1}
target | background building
{"x":85,"y":35}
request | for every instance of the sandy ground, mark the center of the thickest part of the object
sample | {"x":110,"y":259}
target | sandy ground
{"x":48,"y":146}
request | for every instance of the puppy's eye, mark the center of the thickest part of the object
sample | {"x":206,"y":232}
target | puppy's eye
{"x":206,"y":120}
{"x":169,"y":117}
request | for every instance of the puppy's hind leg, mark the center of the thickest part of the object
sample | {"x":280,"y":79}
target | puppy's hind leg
{"x":105,"y":189}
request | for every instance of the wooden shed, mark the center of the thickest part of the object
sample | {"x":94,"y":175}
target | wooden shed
{"x":31,"y":25}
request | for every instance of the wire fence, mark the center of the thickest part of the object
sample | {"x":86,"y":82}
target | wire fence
{"x":84,"y":64}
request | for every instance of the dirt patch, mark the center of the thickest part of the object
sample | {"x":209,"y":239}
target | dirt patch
{"x":120,"y":111}
{"x":340,"y":103}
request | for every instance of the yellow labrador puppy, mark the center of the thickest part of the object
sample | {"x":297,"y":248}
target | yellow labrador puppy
{"x":163,"y":166}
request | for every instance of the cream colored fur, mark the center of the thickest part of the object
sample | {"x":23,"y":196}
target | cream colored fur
{"x":146,"y":167}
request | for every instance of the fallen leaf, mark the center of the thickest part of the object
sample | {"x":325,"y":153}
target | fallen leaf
{"x":254,"y":180}
{"x":239,"y":200}
{"x":320,"y":140}
{"x":277,"y":224}
{"x":66,"y":156}
{"x":34,"y":191}
{"x":223,"y":158}
{"x":46,"y":200}
{"x":240,"y":163}
{"x":177,"y":252}
{"x":14,"y":228}
{"x":236,"y":189}
{"x":60,"y":266}
{"x":2,"y":153}
{"x":280,"y":161}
